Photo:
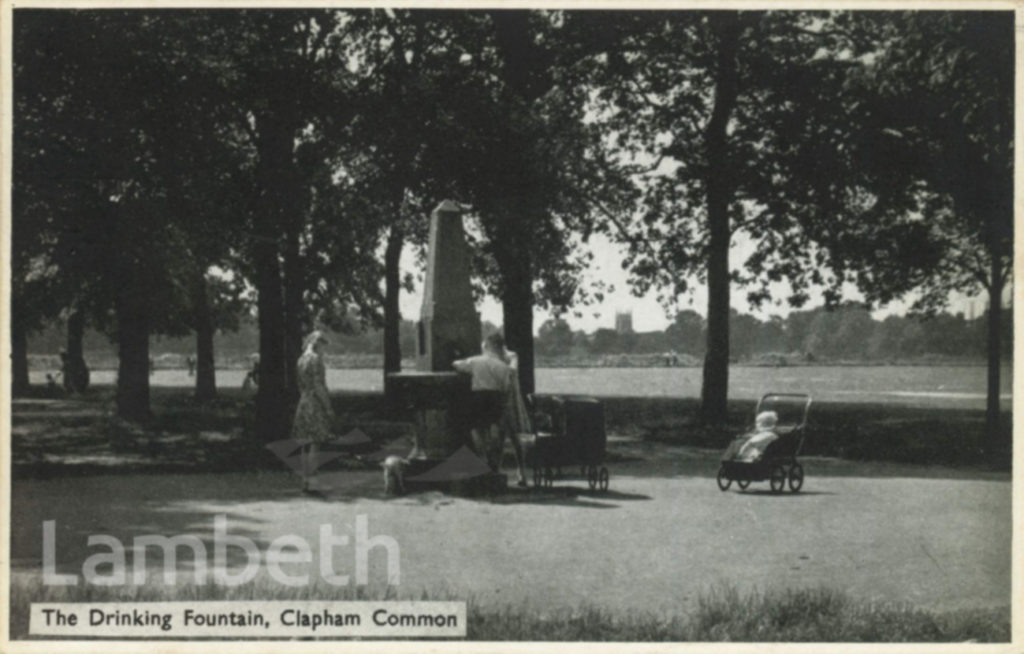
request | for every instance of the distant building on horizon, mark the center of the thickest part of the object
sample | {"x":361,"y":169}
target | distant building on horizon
{"x":624,"y":322}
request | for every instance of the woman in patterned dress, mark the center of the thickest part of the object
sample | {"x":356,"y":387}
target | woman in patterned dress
{"x":314,"y":414}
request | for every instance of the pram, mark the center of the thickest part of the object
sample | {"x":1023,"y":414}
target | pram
{"x":777,"y":463}
{"x":569,"y":431}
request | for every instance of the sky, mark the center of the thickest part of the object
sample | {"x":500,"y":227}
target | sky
{"x":648,"y":314}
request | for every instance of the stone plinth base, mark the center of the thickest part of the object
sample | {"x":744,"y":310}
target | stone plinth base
{"x":439,"y":401}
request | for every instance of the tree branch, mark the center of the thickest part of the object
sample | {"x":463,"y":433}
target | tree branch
{"x":243,"y":118}
{"x":633,"y":88}
{"x":648,"y":169}
{"x":630,"y":238}
{"x":1005,"y":271}
{"x":318,"y":42}
{"x":743,"y":224}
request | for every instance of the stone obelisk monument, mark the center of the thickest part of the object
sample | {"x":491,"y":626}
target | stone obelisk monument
{"x":449,"y":326}
{"x":448,"y":329}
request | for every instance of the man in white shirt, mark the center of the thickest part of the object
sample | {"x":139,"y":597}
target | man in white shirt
{"x":490,"y":379}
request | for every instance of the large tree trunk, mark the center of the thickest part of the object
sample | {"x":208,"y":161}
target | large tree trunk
{"x":392,"y":314}
{"x":294,"y":313}
{"x":271,"y":404}
{"x":133,"y":354}
{"x":206,"y":376}
{"x":527,"y":77}
{"x":19,"y":357}
{"x":992,"y":404}
{"x":276,"y":145}
{"x":517,"y":310}
{"x":715,"y":387}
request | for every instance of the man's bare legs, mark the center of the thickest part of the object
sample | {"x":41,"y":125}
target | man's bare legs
{"x":489,"y":443}
{"x":479,"y":437}
{"x":497,"y":445}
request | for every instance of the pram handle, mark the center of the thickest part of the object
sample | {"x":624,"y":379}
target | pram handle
{"x":801,"y":396}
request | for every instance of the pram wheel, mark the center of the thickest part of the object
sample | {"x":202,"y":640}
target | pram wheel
{"x":777,"y":480}
{"x":723,"y":480}
{"x":743,"y":483}
{"x":796,"y":478}
{"x":603,"y":479}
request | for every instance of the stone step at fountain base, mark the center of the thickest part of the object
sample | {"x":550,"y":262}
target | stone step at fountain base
{"x":444,"y":475}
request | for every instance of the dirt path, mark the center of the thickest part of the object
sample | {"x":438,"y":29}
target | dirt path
{"x":652,"y":543}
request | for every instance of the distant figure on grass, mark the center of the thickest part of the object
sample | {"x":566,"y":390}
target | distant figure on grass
{"x":314,"y":414}
{"x":497,"y":403}
{"x":53,"y":389}
{"x":764,"y":433}
{"x":190,"y":361}
{"x":252,"y":378}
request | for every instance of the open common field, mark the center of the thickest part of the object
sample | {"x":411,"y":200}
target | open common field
{"x":938,"y":386}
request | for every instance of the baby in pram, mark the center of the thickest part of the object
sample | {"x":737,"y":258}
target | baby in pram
{"x":749,"y":448}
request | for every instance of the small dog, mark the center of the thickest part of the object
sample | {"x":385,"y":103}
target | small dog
{"x":394,"y":475}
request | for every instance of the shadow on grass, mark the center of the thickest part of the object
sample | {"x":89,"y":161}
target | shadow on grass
{"x":80,"y":436}
{"x":648,"y":437}
{"x":861,"y":432}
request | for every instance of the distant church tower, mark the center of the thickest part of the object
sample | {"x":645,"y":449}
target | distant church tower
{"x":624,"y":322}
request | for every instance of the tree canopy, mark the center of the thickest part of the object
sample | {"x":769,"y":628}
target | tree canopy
{"x":168,"y":163}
